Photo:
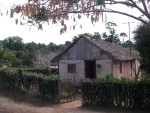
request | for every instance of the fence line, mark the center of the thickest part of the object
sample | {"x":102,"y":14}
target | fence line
{"x":31,"y":85}
{"x":124,"y":95}
{"x":54,"y":90}
{"x":67,"y":90}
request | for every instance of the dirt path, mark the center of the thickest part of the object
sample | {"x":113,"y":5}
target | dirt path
{"x":14,"y":102}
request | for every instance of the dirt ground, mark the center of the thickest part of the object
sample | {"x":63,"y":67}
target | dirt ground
{"x":14,"y":102}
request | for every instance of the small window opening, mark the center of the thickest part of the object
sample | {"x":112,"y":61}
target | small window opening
{"x":120,"y":68}
{"x":72,"y":68}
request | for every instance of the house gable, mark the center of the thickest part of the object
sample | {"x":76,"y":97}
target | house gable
{"x":83,"y":49}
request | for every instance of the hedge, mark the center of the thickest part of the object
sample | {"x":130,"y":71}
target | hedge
{"x":123,"y":94}
{"x":43,"y":71}
{"x":32,"y":83}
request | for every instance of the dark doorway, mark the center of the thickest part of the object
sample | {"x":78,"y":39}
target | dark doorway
{"x":90,"y":69}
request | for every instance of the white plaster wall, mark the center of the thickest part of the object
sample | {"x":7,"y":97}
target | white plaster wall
{"x":106,"y":67}
{"x":63,"y":70}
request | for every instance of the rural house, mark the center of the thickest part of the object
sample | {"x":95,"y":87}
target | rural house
{"x":88,"y":58}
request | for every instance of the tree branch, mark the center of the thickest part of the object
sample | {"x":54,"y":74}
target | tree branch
{"x":144,"y":5}
{"x":118,"y":12}
{"x":133,"y":4}
{"x":122,"y":13}
{"x":141,"y":10}
{"x":123,"y":3}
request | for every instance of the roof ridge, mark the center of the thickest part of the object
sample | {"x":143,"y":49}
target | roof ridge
{"x":115,"y":50}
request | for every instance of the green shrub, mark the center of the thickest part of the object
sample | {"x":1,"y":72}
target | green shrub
{"x":32,"y":83}
{"x":119,"y":93}
{"x":43,"y":71}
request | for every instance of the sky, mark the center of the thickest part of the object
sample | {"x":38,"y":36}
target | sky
{"x":51,"y":32}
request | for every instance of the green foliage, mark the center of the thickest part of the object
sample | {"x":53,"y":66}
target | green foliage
{"x":16,"y":46}
{"x":15,"y":53}
{"x":117,"y":93}
{"x":123,"y":34}
{"x":108,"y":77}
{"x":32,"y":83}
{"x":111,"y":78}
{"x":112,"y":37}
{"x":13,"y":43}
{"x":101,"y":2}
{"x":7,"y":57}
{"x":28,"y":71}
{"x":96,"y":36}
{"x":142,"y":41}
{"x":42,"y":71}
{"x":41,"y":16}
{"x":128,"y":44}
{"x":67,"y":43}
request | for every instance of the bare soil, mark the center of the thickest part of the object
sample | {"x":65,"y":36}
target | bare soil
{"x":16,"y":102}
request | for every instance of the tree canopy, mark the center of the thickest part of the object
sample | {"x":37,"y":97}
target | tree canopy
{"x":111,"y":36}
{"x":14,"y":52}
{"x":39,"y":11}
{"x":7,"y":57}
{"x":142,"y":42}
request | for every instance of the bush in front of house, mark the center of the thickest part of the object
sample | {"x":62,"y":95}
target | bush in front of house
{"x":32,"y":83}
{"x":47,"y":72}
{"x":117,"y":93}
{"x":43,"y":71}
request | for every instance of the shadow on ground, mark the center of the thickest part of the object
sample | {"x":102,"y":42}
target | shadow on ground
{"x":97,"y":109}
{"x":71,"y":107}
{"x":22,"y":97}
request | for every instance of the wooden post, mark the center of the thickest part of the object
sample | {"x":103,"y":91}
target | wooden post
{"x":74,"y":88}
